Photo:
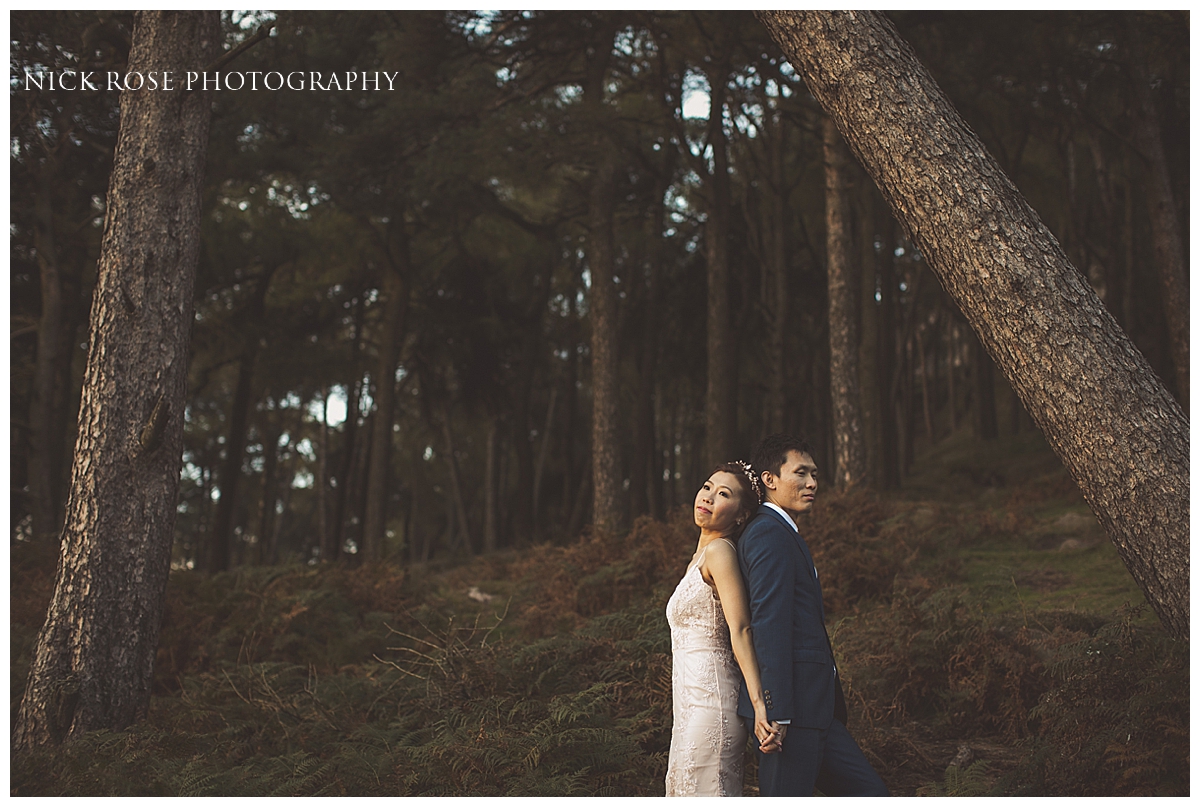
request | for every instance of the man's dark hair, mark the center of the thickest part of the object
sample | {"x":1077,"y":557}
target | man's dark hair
{"x":770,"y":454}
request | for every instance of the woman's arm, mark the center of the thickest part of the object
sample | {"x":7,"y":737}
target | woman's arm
{"x":720,"y":569}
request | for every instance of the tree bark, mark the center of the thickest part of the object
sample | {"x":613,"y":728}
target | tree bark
{"x":48,"y":402}
{"x":267,"y":517}
{"x":220,"y":548}
{"x":374,"y":535}
{"x":456,"y":489}
{"x":602,"y":297}
{"x":350,"y":441}
{"x":720,"y":421}
{"x":1121,"y":435}
{"x":491,"y":466}
{"x":986,"y":427}
{"x":849,"y":451}
{"x":886,"y":357}
{"x":1164,"y":225}
{"x":606,"y":445}
{"x":775,"y":286}
{"x":94,"y":657}
{"x":868,"y":335}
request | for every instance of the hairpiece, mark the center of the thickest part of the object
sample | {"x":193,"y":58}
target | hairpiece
{"x":753,"y":477}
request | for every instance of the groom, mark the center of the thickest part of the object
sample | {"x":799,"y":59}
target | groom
{"x":799,"y":678}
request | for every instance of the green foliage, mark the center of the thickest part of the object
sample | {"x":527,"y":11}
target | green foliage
{"x":1114,"y":721}
{"x":969,"y":781}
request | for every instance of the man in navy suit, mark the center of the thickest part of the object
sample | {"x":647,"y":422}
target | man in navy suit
{"x":799,"y":678}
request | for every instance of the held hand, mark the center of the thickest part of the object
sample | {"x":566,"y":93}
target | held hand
{"x":768,"y":733}
{"x":774,"y":744}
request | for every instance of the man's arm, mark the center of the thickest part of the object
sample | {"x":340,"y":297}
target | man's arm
{"x":768,"y":563}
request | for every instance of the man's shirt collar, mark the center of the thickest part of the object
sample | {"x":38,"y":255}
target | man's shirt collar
{"x":785,"y":515}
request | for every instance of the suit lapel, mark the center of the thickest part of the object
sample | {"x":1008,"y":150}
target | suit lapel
{"x":803,"y":547}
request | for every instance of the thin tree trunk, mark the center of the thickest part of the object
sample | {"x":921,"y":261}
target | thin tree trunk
{"x":332,"y":550}
{"x":270,"y":486}
{"x":951,"y":357}
{"x":602,"y":298}
{"x":850,"y":459}
{"x":460,"y":506}
{"x":47,"y":406}
{"x":489,"y":488}
{"x":645,"y":445}
{"x":570,"y":408}
{"x":720,"y":422}
{"x":1169,"y":259}
{"x":775,"y":289}
{"x":322,"y":487}
{"x":922,"y":366}
{"x":868,"y":340}
{"x":540,"y":467}
{"x":985,"y":393}
{"x":221,"y":537}
{"x":886,"y":354}
{"x":374,"y":536}
{"x":94,"y":657}
{"x":1093,"y":395}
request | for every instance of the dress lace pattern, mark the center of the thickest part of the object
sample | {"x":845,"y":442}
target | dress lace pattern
{"x":708,"y":739}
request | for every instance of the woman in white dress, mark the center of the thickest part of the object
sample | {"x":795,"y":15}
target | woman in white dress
{"x":709,"y":615}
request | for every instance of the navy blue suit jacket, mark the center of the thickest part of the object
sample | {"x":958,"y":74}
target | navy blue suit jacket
{"x":787,"y":614}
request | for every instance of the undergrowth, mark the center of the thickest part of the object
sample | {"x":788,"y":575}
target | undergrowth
{"x":299,"y":681}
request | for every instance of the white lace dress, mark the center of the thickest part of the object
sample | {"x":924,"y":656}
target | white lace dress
{"x":708,"y":739}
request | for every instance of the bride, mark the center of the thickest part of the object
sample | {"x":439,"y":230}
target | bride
{"x":709,"y":615}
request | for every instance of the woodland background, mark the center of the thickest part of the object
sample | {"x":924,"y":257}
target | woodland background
{"x":390,"y":394}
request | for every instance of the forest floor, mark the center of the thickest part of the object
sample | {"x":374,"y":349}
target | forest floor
{"x":990,"y":639}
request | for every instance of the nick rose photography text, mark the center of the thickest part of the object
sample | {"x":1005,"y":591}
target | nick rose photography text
{"x":232,"y":81}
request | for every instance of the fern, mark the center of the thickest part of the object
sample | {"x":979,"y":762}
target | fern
{"x":964,"y":782}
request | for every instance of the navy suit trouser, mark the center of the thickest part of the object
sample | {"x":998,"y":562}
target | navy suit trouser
{"x":823,"y":759}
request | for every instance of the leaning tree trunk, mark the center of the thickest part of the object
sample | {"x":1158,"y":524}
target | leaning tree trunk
{"x":1119,"y":432}
{"x":849,"y":451}
{"x":94,"y":657}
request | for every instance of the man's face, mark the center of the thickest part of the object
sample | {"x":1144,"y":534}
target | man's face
{"x":796,"y":485}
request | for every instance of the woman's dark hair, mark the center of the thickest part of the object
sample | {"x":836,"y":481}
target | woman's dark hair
{"x":749,"y":497}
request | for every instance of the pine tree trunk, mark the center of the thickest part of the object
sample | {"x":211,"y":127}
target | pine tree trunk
{"x":886,"y":357}
{"x":1118,"y":431}
{"x":868,"y":340}
{"x":775,"y":286}
{"x":490,"y":468}
{"x":220,"y":547}
{"x":642,"y":473}
{"x":720,"y":398}
{"x":48,"y":401}
{"x":374,"y":538}
{"x":602,"y":297}
{"x":94,"y":658}
{"x":606,"y":445}
{"x":267,"y":517}
{"x":1167,"y":241}
{"x":459,"y":511}
{"x":350,"y":440}
{"x":849,"y":451}
{"x":986,"y":427}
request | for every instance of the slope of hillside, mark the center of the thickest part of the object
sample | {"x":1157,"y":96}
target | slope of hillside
{"x":990,"y":640}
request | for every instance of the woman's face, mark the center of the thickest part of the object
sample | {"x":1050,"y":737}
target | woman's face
{"x":718,"y":502}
